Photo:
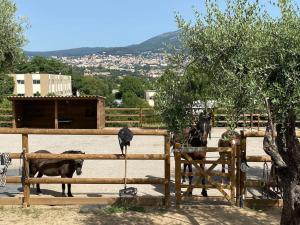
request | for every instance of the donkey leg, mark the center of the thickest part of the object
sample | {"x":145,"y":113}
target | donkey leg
{"x":69,"y":191}
{"x":38,"y":189}
{"x":63,"y":187}
{"x":204,"y":191}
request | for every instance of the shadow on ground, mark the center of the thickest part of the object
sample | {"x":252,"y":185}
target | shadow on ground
{"x":204,"y":214}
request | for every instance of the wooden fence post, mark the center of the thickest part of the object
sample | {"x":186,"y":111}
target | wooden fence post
{"x":167,"y":171}
{"x":26,"y":186}
{"x":258,"y":122}
{"x":242,"y":174}
{"x":238,"y":174}
{"x":232,"y":173}
{"x":177,"y":177}
{"x":56,"y":114}
{"x":141,"y":117}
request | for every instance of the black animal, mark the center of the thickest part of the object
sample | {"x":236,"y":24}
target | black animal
{"x":125,"y":136}
{"x":197,"y":137}
{"x":56,"y":167}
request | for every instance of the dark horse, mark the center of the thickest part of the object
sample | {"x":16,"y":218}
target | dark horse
{"x":56,"y":167}
{"x":197,"y":137}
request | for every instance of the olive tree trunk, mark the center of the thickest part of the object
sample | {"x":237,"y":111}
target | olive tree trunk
{"x":285,"y":153}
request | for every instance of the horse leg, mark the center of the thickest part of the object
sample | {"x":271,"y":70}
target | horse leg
{"x":184,"y":170}
{"x":204,"y":192}
{"x":38,"y":189}
{"x":190,"y":178}
{"x":63,"y":187}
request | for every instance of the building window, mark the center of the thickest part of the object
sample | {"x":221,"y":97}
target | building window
{"x":21,"y":94}
{"x":36,"y":81}
{"x":20,"y":81}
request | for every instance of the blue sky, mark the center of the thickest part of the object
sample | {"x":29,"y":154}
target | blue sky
{"x":63,"y":24}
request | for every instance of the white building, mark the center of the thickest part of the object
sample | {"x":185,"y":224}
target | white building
{"x":150,"y":96}
{"x":42,"y":84}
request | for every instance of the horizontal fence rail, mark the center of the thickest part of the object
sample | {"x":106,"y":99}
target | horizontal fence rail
{"x":149,"y":117}
{"x":96,"y":156}
{"x":263,"y":184}
{"x":104,"y":131}
{"x":26,"y":181}
{"x":94,"y":181}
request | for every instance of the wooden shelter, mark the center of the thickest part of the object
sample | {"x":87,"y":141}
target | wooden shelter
{"x":58,"y":112}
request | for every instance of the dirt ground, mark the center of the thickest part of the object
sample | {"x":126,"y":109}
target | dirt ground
{"x":196,"y":214}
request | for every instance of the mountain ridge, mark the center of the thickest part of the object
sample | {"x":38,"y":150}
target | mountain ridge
{"x":156,"y":44}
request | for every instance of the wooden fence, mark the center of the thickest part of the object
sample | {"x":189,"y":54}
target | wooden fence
{"x":136,"y":117}
{"x":243,"y":183}
{"x":238,"y":182}
{"x":149,"y":118}
{"x":27,"y":200}
{"x":5,"y":117}
{"x":209,"y":174}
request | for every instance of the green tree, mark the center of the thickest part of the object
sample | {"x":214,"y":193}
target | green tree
{"x":252,"y":57}
{"x":177,"y":92}
{"x":11,"y":42}
{"x":131,"y":100}
{"x":11,"y":36}
{"x":132,"y":84}
{"x":90,"y":86}
{"x":6,"y":86}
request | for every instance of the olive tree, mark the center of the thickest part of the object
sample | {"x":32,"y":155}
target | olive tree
{"x":178,"y":89}
{"x":11,"y":42}
{"x":11,"y":36}
{"x":253,"y":57}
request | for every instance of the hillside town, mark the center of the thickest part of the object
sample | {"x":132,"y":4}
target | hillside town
{"x":147,"y":64}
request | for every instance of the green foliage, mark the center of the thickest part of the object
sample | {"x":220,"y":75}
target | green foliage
{"x":177,"y":91}
{"x":11,"y":36}
{"x":6,"y":86}
{"x":246,"y":54}
{"x":44,"y":65}
{"x":132,"y":84}
{"x":90,"y":86}
{"x":131,"y":100}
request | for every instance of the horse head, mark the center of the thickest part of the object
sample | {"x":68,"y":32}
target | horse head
{"x":78,"y":162}
{"x":198,"y":134}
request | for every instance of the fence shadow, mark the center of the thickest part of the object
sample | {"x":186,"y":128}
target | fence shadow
{"x":160,"y":187}
{"x":187,"y":214}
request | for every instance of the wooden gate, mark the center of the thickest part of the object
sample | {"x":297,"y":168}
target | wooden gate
{"x":228,"y":157}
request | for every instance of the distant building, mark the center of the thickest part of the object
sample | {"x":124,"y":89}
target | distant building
{"x":149,"y":96}
{"x":42,"y":84}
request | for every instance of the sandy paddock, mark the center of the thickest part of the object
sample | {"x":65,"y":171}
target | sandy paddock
{"x":115,"y":169}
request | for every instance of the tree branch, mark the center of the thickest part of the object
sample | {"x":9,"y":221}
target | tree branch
{"x":271,"y":149}
{"x":269,"y":144}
